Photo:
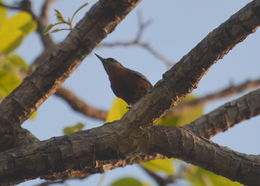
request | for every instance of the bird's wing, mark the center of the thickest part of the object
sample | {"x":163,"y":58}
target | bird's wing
{"x":140,"y":75}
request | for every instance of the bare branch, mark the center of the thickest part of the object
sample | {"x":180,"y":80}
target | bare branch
{"x":156,"y":54}
{"x":79,"y":105}
{"x":137,"y":41}
{"x":142,"y":25}
{"x":229,"y":91}
{"x":45,"y":12}
{"x":159,"y":179}
{"x":227,"y":115}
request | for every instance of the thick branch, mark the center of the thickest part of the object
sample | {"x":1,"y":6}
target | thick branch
{"x":79,"y":105}
{"x":68,"y":96}
{"x":104,"y":148}
{"x":229,"y":91}
{"x":101,"y":19}
{"x":183,"y":77}
{"x":227,"y":115}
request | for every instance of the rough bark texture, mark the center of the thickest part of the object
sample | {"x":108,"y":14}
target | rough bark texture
{"x":40,"y":84}
{"x":183,"y":77}
{"x":227,"y":115}
{"x":103,"y":148}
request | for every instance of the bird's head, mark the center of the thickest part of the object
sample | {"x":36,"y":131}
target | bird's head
{"x":110,"y":64}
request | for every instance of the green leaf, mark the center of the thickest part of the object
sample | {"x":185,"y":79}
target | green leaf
{"x":128,"y":181}
{"x":186,"y":117}
{"x":59,"y":16}
{"x":72,"y":129}
{"x":28,"y":27}
{"x":117,"y":110}
{"x":49,"y":27}
{"x":160,"y":165}
{"x":10,"y":76}
{"x":198,"y":176}
{"x":14,"y":29}
{"x":19,"y":62}
{"x":59,"y":29}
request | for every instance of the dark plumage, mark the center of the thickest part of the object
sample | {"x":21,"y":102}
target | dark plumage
{"x":127,"y":84}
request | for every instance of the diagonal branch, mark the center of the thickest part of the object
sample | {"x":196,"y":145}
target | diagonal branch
{"x":184,"y":76}
{"x":101,"y":19}
{"x":68,"y":96}
{"x":79,"y":105}
{"x":227,"y":115}
{"x":137,"y":41}
{"x":229,"y":91}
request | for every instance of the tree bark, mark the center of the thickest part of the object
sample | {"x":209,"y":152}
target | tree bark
{"x":101,"y":19}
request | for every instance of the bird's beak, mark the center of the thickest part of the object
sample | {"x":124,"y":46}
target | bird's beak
{"x":100,"y":58}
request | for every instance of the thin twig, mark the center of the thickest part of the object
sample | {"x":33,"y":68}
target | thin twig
{"x":161,"y":181}
{"x":137,"y":41}
{"x":229,"y":91}
{"x":45,"y":11}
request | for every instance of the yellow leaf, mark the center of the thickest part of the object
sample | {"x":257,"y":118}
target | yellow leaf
{"x":117,"y":110}
{"x":14,"y":29}
{"x":3,"y":13}
{"x":160,"y":165}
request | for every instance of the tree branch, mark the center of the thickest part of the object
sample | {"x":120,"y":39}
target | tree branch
{"x":65,"y":94}
{"x":137,"y":41}
{"x":127,"y":141}
{"x":101,"y":19}
{"x":103,"y":148}
{"x":184,"y":76}
{"x":158,"y":179}
{"x":79,"y":105}
{"x":227,"y":115}
{"x":45,"y":12}
{"x":229,"y":91}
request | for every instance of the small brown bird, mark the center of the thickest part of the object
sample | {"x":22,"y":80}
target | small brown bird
{"x":127,"y":84}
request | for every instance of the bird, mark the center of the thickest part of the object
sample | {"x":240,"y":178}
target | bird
{"x":126,"y":84}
